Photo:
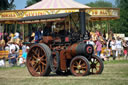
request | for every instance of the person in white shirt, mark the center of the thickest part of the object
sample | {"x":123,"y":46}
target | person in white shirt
{"x":108,"y":50}
{"x":21,"y":62}
{"x":17,"y":49}
{"x":118,"y":47}
{"x":2,"y":62}
{"x":113,"y":46}
{"x":91,"y":42}
{"x":11,"y":47}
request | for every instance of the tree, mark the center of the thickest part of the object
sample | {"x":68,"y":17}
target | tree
{"x":121,"y":25}
{"x":31,"y":2}
{"x":6,"y":4}
{"x":100,"y":3}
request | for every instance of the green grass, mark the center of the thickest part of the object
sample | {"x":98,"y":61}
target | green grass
{"x":116,"y":62}
{"x":115,"y":73}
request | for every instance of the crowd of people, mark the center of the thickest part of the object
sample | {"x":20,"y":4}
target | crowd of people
{"x":104,"y":48}
{"x":113,"y":46}
{"x":13,"y":44}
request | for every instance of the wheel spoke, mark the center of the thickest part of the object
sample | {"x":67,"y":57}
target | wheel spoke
{"x":97,"y":62}
{"x":92,"y":70}
{"x":74,"y":66}
{"x":83,"y":64}
{"x":79,"y":62}
{"x":39,"y":52}
{"x":40,"y":69}
{"x":34,"y":57}
{"x":43,"y":59}
{"x":36,"y":68}
{"x":79,"y":71}
{"x":36,"y":50}
{"x":32,"y":62}
{"x":34,"y":53}
{"x":83,"y":67}
{"x":43,"y":63}
{"x":96,"y":69}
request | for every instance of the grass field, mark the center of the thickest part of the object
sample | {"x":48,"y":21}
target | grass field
{"x":115,"y":73}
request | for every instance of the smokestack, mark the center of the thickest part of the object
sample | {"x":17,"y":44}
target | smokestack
{"x":82,"y":21}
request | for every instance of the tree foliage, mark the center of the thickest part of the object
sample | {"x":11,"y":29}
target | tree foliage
{"x":31,"y":2}
{"x":6,"y":4}
{"x":100,"y":3}
{"x":121,"y":25}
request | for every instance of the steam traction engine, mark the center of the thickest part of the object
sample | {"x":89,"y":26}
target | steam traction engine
{"x":64,"y":55}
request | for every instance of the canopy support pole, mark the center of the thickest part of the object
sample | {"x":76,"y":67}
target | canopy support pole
{"x":3,"y":31}
{"x":6,"y":27}
{"x":89,"y":26}
{"x":93,"y":26}
{"x":69,"y":23}
{"x":22,"y":26}
{"x":15,"y":27}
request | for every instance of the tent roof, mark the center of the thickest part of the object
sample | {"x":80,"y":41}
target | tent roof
{"x":56,"y":4}
{"x":42,"y":17}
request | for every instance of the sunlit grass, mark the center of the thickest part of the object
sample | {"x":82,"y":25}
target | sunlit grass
{"x":115,"y":73}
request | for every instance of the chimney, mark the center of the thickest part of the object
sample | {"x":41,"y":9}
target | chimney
{"x":82,"y":21}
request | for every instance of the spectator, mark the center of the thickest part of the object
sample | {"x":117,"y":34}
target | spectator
{"x":113,"y":46}
{"x":98,"y":47}
{"x":91,"y":42}
{"x":13,"y":61}
{"x":2,"y":44}
{"x":125,"y":49}
{"x":17,"y":49}
{"x":16,"y":37}
{"x":22,"y":59}
{"x":32,"y":37}
{"x":38,"y":36}
{"x":2,"y":62}
{"x":24,"y":47}
{"x":108,"y":47}
{"x":25,"y":53}
{"x":104,"y":56}
{"x":11,"y":37}
{"x":47,"y":30}
{"x":118,"y":47}
{"x":11,"y":47}
{"x":6,"y":37}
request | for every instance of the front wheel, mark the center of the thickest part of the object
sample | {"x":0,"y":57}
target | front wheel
{"x":79,"y":66}
{"x":96,"y":65}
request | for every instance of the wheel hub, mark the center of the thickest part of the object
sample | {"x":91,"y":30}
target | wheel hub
{"x":79,"y":67}
{"x":38,"y":60}
{"x":93,"y":65}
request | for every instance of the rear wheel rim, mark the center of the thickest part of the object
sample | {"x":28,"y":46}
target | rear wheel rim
{"x":36,"y":61}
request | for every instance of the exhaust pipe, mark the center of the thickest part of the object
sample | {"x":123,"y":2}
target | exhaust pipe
{"x":82,"y":22}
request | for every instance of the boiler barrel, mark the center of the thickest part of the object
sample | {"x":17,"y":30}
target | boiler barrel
{"x":80,"y":49}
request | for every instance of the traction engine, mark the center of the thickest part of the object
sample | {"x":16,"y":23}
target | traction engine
{"x":64,"y":55}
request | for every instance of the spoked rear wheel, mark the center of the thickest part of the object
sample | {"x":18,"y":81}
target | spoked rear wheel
{"x":38,"y":60}
{"x":96,"y":65}
{"x":79,"y":66}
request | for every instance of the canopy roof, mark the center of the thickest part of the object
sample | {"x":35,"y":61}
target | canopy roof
{"x":57,"y":4}
{"x":51,"y":16}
